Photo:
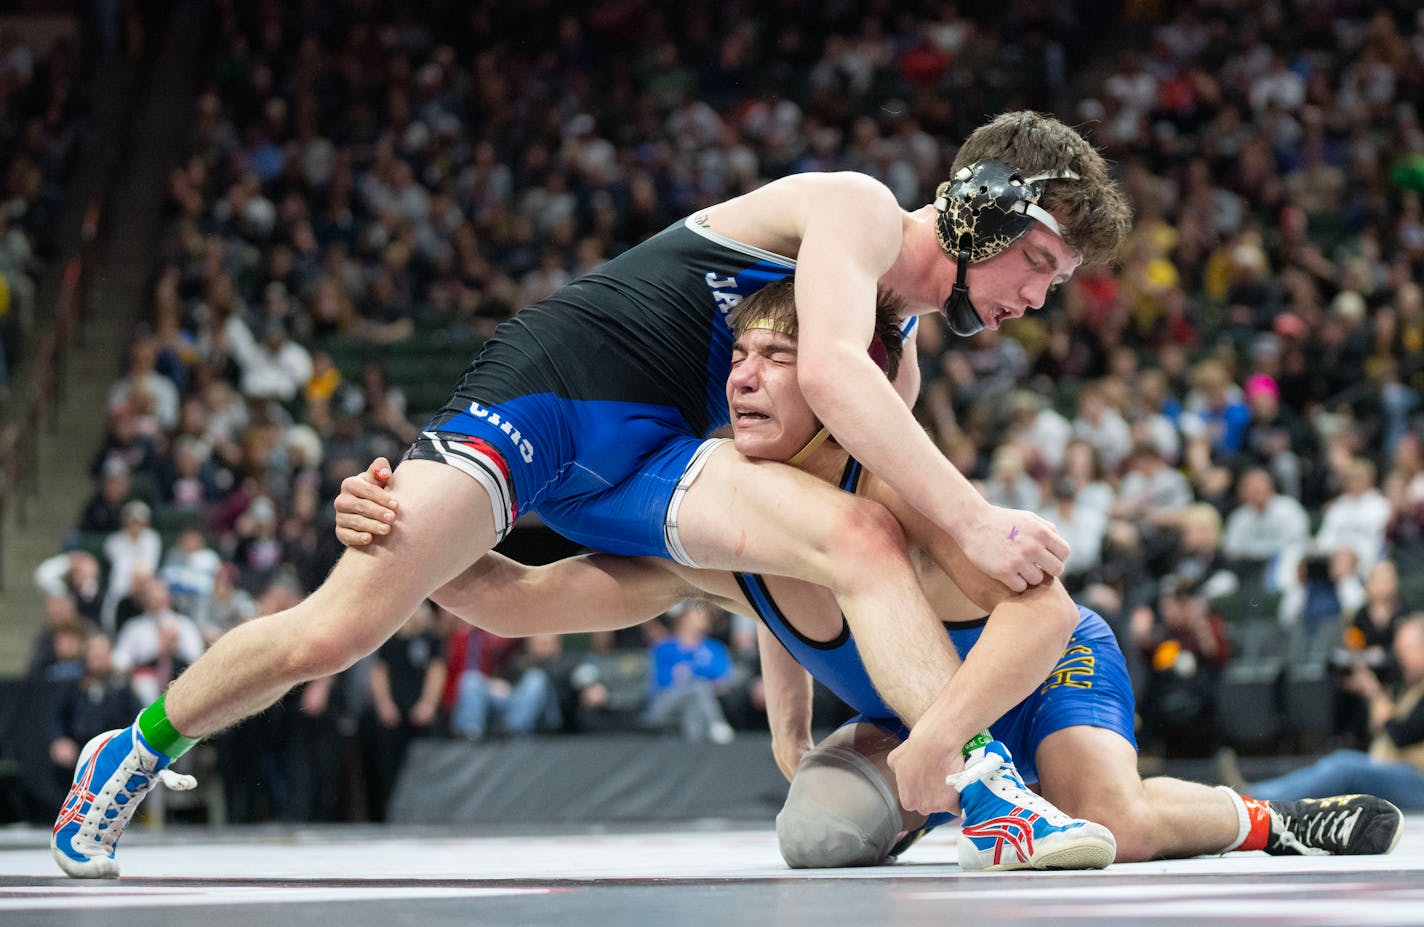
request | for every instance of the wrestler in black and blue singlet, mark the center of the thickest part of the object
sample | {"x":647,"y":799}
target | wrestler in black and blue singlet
{"x":591,"y":407}
{"x":1088,"y":686}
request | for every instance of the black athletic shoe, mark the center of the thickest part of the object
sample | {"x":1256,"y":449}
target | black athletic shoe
{"x":1343,"y":825}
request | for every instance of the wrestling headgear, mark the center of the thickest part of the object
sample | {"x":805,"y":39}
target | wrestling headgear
{"x":985,"y":208}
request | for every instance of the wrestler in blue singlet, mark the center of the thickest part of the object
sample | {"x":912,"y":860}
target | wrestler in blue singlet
{"x":1089,"y":685}
{"x":591,"y":406}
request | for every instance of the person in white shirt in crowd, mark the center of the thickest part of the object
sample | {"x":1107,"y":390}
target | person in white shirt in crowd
{"x":1083,"y":469}
{"x":1265,"y":526}
{"x":133,"y":553}
{"x":1102,"y":426}
{"x":74,"y":573}
{"x":1083,"y":526}
{"x":142,"y":377}
{"x":1150,"y":501}
{"x":275,"y":367}
{"x":156,"y":645}
{"x":1358,"y":517}
{"x":1009,"y":484}
{"x":1040,"y":431}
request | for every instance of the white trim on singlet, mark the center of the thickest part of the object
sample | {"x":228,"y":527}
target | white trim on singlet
{"x":749,"y":250}
{"x":684,"y":483}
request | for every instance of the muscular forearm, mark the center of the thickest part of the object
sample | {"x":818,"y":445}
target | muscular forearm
{"x":871,"y":421}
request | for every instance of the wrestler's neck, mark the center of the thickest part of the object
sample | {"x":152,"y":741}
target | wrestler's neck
{"x":825,"y":462}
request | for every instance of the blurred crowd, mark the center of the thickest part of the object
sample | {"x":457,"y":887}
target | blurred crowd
{"x":43,"y":121}
{"x":1226,"y":425}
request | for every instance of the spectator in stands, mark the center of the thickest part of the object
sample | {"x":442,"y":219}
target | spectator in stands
{"x":1358,"y":517}
{"x":1325,"y":588}
{"x":1393,"y":768}
{"x":66,"y":656}
{"x":274,"y":367}
{"x":188,"y":480}
{"x":62,"y":619}
{"x":143,"y":379}
{"x":229,"y":606}
{"x":519,"y":703}
{"x":101,"y":699}
{"x":1083,"y":526}
{"x":1185,"y":647}
{"x":744,"y":702}
{"x":1199,"y":560}
{"x":1368,"y":639}
{"x":1276,"y":437}
{"x":104,"y":512}
{"x":1149,"y":506}
{"x":1214,"y":413}
{"x":253,"y":755}
{"x":189,"y":569}
{"x":75,"y":573}
{"x":156,"y":645}
{"x":1404,"y":488}
{"x":1040,"y":431}
{"x":133,"y":555}
{"x":1102,"y":426}
{"x":610,"y":687}
{"x":407,"y":676}
{"x":1009,"y":485}
{"x":1083,"y":470}
{"x":259,"y":550}
{"x":1263,"y":526}
{"x":689,"y":669}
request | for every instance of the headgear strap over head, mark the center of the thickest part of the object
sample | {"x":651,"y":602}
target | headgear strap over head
{"x":985,"y":208}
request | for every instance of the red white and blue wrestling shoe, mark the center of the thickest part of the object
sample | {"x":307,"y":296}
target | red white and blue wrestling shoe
{"x":115,"y":771}
{"x":1006,"y":826}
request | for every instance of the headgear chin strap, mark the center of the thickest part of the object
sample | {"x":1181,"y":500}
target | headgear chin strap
{"x":983,"y":210}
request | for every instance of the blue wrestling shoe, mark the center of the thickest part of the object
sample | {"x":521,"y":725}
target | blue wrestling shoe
{"x":1008,"y":827}
{"x":115,"y":771}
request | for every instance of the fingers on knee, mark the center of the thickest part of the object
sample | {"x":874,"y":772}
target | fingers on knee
{"x":838,"y":812}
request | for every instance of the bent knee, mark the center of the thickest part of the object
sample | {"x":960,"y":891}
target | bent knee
{"x":838,"y":812}
{"x":867,"y":532}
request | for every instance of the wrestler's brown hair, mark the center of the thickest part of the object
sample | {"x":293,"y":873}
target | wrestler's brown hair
{"x":1091,"y":209}
{"x":774,"y":307}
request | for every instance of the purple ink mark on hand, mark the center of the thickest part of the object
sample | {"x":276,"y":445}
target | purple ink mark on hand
{"x":1013,"y":533}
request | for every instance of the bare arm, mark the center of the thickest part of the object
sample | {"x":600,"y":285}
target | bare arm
{"x":788,"y":702}
{"x":848,"y":232}
{"x":1020,"y":645}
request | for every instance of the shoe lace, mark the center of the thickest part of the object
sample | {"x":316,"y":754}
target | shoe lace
{"x":1317,"y":830}
{"x":132,"y":792}
{"x":990,"y":766}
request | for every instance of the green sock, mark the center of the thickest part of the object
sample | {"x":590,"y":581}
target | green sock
{"x":977,"y":741}
{"x":159,"y":732}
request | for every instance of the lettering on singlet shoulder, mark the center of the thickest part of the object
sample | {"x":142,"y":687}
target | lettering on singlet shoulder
{"x":726,"y":289}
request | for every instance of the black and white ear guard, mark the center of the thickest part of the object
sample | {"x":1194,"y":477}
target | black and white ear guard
{"x":979,"y":213}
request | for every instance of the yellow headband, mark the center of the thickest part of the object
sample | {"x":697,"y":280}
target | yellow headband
{"x":781,"y":326}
